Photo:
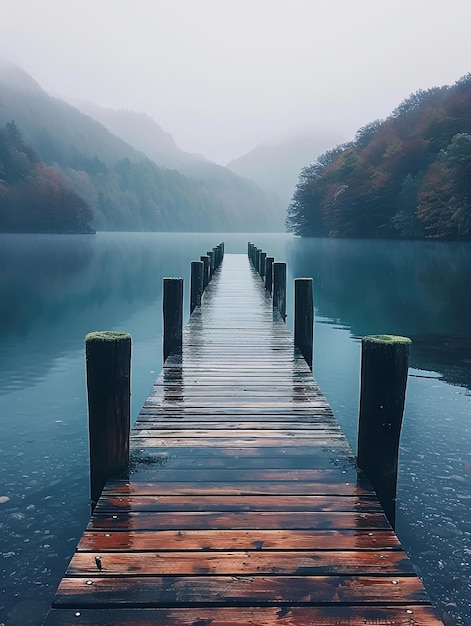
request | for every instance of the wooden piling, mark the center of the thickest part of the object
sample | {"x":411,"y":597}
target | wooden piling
{"x":210,"y":253}
{"x":250,"y":251}
{"x":205,"y":261}
{"x":261,"y":268}
{"x":269,"y":273}
{"x":216,"y":257}
{"x":304,"y":317}
{"x":384,"y":367}
{"x":172,"y":315}
{"x":279,"y":288}
{"x":108,"y":364}
{"x":196,"y":284}
{"x":256,"y":258}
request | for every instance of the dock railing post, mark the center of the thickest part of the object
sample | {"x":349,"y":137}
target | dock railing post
{"x":261,"y":269}
{"x":384,"y":367}
{"x":172,"y":303}
{"x":108,"y":364}
{"x":279,"y":288}
{"x":205,"y":260}
{"x":304,"y":317}
{"x":256,"y":256}
{"x":196,"y":284}
{"x":216,"y":257}
{"x":212,"y":268}
{"x":269,"y":273}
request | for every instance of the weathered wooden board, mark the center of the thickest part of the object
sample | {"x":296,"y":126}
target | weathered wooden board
{"x":236,"y":503}
{"x":239,"y":520}
{"x":247,"y":539}
{"x":243,"y":504}
{"x":239,"y":590}
{"x":405,"y":615}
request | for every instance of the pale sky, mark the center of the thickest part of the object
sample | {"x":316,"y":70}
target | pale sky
{"x":223,"y":76}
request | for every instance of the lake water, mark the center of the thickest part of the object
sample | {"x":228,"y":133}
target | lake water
{"x":55,"y":289}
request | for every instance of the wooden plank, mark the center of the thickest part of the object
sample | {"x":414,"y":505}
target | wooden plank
{"x":406,"y":615}
{"x":112,"y":504}
{"x":246,"y":539}
{"x":391,"y":615}
{"x":247,"y":488}
{"x":238,"y":590}
{"x":238,"y":520}
{"x":306,"y":563}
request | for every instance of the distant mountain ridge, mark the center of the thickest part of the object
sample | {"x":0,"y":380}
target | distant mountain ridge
{"x":276,"y":166}
{"x":144,"y":134}
{"x":123,"y":187}
{"x":132,"y":127}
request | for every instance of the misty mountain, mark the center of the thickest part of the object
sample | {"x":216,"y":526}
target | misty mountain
{"x":232,"y":188}
{"x":136,"y":129}
{"x":276,"y":167}
{"x":123,"y":187}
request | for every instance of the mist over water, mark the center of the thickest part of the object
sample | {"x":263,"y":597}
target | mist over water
{"x":55,"y":289}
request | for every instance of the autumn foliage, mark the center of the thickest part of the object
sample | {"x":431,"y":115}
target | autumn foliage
{"x":34,"y":197}
{"x":408,"y":176}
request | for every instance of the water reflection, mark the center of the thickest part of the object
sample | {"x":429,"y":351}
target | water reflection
{"x":416,"y":289}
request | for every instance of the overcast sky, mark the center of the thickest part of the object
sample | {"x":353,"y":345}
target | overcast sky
{"x":225,"y":75}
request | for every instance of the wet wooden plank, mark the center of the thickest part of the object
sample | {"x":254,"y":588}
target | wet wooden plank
{"x":112,"y":504}
{"x":305,"y":563}
{"x":236,"y":488}
{"x":389,"y":614}
{"x":238,"y":520}
{"x":247,"y":539}
{"x":238,"y":590}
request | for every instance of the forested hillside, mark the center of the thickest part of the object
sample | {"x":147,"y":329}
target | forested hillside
{"x":408,"y":176}
{"x":35,"y":198}
{"x":124,"y":189}
{"x":236,"y":196}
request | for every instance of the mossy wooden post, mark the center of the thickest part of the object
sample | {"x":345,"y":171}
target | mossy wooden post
{"x":261,"y":269}
{"x":108,"y":360}
{"x":205,"y":260}
{"x":279,"y":288}
{"x":269,"y":273}
{"x":173,"y":315}
{"x":304,"y":317}
{"x":196,"y":284}
{"x":384,"y":367}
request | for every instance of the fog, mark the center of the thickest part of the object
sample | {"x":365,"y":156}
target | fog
{"x":224,"y":76}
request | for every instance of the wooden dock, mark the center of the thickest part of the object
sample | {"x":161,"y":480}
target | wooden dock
{"x":243,"y":504}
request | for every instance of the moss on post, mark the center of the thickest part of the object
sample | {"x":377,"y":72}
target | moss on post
{"x":384,"y":368}
{"x":108,"y":362}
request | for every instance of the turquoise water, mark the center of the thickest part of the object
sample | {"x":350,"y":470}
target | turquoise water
{"x":55,"y":289}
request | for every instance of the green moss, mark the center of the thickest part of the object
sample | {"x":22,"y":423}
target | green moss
{"x":106,"y":335}
{"x":387,"y":339}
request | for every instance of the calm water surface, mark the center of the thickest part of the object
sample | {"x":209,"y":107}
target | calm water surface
{"x":55,"y":289}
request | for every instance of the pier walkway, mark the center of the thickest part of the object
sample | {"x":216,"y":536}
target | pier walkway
{"x":243,"y":504}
